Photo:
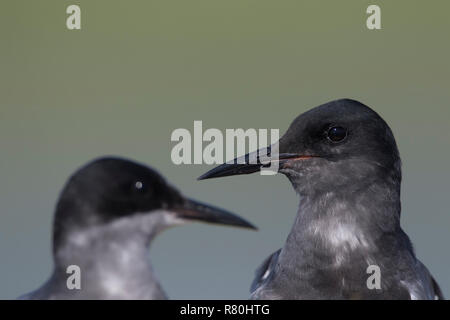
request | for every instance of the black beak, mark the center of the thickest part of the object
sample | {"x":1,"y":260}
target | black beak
{"x":194,"y":210}
{"x":252,"y":162}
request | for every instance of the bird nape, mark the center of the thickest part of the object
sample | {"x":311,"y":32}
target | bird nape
{"x":342,"y":159}
{"x":107,"y":215}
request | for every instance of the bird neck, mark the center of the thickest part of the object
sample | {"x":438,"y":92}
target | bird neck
{"x":113,"y":258}
{"x":338,"y":223}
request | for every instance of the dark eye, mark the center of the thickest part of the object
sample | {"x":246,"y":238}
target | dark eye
{"x":336,"y":134}
{"x":139,"y":186}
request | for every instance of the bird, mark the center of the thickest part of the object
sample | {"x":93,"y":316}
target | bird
{"x":342,"y":160}
{"x":106,"y":217}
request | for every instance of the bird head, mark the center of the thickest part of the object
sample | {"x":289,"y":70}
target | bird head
{"x":111,"y":189}
{"x":326,"y":148}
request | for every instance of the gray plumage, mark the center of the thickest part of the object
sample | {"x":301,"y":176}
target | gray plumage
{"x":342,"y":159}
{"x":106,"y":218}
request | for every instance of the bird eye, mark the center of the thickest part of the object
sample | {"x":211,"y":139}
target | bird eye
{"x":336,"y":134}
{"x":138,"y":185}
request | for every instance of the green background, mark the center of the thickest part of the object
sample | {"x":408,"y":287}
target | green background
{"x":140,"y":69}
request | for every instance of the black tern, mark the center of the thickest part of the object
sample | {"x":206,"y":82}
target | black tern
{"x":107,"y":215}
{"x":343,"y":161}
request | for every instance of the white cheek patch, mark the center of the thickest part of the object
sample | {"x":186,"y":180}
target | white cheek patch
{"x":145,"y":224}
{"x":171,"y":219}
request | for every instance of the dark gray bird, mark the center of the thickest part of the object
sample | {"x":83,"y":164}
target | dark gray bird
{"x":343,"y":161}
{"x":106,"y":217}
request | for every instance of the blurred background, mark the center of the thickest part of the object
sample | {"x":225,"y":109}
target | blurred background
{"x":137,"y":70}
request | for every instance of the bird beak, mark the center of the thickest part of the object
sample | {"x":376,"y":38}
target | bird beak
{"x":253,"y":162}
{"x":194,"y":210}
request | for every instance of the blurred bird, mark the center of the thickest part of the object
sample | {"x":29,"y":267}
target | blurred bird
{"x":343,"y":161}
{"x":107,"y":215}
